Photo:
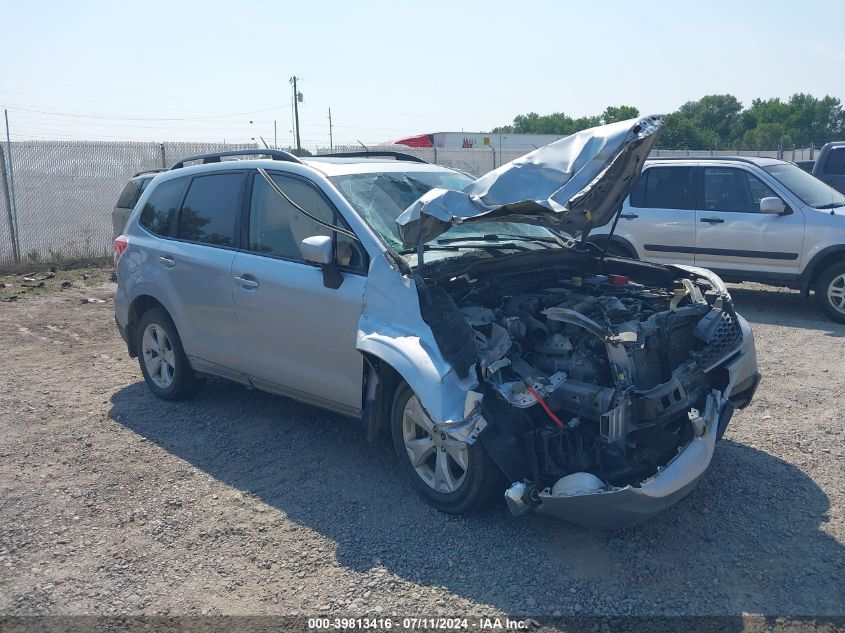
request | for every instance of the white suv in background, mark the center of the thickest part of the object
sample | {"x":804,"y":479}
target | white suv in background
{"x":747,"y":219}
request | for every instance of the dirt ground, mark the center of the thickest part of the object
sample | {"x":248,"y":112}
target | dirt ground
{"x":238,"y":502}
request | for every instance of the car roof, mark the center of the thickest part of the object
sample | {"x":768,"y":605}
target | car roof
{"x":760,"y":161}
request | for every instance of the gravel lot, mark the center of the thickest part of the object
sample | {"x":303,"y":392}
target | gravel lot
{"x":238,"y":502}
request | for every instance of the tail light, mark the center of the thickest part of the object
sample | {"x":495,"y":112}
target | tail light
{"x":121,"y":243}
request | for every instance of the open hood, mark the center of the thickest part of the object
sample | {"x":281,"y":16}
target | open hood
{"x":571,"y":185}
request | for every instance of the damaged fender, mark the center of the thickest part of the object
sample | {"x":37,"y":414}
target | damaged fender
{"x":391,"y":328}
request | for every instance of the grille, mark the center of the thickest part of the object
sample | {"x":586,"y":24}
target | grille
{"x":725,"y":337}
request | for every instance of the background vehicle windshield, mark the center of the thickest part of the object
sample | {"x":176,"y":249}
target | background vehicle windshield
{"x":380,"y":198}
{"x":810,"y":189}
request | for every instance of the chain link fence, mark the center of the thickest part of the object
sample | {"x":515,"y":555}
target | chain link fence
{"x":56,"y":197}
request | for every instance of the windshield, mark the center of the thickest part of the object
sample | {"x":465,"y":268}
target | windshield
{"x":810,"y":189}
{"x":380,"y":198}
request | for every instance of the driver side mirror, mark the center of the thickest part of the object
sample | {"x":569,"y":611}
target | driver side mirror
{"x":772,"y":205}
{"x":319,"y":250}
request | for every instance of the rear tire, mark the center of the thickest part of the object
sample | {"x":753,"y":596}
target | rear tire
{"x":165,"y":366}
{"x":451,"y":476}
{"x":830,"y":291}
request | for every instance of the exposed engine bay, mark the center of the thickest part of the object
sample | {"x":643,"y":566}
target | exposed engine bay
{"x":602,"y":375}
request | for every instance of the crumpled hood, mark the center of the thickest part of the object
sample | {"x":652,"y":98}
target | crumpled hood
{"x":571,"y":185}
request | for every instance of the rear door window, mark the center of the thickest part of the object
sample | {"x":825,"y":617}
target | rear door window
{"x":664,"y":188}
{"x":159,"y":212}
{"x":209,"y":212}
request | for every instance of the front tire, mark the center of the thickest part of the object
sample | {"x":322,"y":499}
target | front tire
{"x":451,"y":476}
{"x":165,"y":366}
{"x":830,"y":291}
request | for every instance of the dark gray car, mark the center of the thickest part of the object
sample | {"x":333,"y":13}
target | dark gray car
{"x":830,"y":165}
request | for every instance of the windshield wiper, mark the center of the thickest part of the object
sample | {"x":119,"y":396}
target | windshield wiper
{"x":455,"y":247}
{"x":832,"y":205}
{"x":498,"y":238}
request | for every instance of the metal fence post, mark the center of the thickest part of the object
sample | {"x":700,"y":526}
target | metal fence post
{"x":163,"y":158}
{"x":14,"y":199}
{"x":494,"y":156}
{"x":435,"y":155}
{"x":16,"y":254}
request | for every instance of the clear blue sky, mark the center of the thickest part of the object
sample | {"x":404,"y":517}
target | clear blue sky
{"x":391,"y":69}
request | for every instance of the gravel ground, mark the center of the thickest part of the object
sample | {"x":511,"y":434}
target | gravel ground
{"x":239,"y":502}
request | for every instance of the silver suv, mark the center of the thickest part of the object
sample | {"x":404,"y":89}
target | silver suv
{"x":454,"y":316}
{"x":747,"y":219}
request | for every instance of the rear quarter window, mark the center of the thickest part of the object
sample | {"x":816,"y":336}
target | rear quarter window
{"x":129,"y":196}
{"x":159,"y":210}
{"x":835,"y":163}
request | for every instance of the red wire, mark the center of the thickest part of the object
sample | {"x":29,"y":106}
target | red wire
{"x":543,"y":404}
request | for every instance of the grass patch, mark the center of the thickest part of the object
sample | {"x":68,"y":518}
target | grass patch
{"x":37,"y":265}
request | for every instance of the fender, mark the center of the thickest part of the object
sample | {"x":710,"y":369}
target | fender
{"x":811,"y":270}
{"x":143,"y":289}
{"x":391,"y":328}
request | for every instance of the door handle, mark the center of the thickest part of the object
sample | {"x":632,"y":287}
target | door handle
{"x":167,"y":261}
{"x":628,"y":216}
{"x":712,"y":220}
{"x":247,"y":282}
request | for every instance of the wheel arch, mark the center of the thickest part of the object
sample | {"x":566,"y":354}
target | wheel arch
{"x":601,"y":240}
{"x":820,"y":262}
{"x":139,"y":306}
{"x":390,"y":360}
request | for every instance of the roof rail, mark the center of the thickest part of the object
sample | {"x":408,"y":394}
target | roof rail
{"x":742,"y":159}
{"x":374,"y":154}
{"x":275,"y":154}
{"x":149,"y":171}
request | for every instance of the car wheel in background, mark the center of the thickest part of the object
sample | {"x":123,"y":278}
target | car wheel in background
{"x":830,"y":291}
{"x":166,"y":369}
{"x":452,"y":476}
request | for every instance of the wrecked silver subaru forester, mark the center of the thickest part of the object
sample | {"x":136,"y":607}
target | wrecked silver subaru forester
{"x":474,"y":321}
{"x":598,"y":385}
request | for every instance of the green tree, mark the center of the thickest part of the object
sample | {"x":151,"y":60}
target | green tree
{"x":764,"y":136}
{"x":812,"y":120}
{"x":717,"y":117}
{"x":612,"y":114}
{"x":715,"y":121}
{"x":681,"y":132}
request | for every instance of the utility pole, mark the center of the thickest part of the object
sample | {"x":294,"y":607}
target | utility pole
{"x":14,"y":202}
{"x":296,"y":99}
{"x":275,"y":137}
{"x":331,"y":142}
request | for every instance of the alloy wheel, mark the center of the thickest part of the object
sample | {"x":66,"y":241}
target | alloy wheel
{"x":159,"y":358}
{"x":836,"y":293}
{"x":440,"y":461}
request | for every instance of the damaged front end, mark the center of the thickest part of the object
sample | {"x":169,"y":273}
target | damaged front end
{"x":603,"y":384}
{"x":598,"y":385}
